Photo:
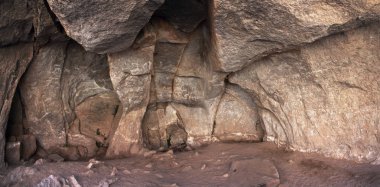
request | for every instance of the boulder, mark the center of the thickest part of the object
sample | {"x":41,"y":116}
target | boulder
{"x":104,"y":26}
{"x":247,"y":30}
{"x":67,"y":88}
{"x":130,"y":75}
{"x":163,"y":128}
{"x":237,"y":118}
{"x":41,"y":94}
{"x":323,"y":97}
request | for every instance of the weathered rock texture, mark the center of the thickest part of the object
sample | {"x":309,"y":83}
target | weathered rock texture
{"x":13,"y":62}
{"x":180,"y":73}
{"x":249,"y":30}
{"x":104,"y":26}
{"x":323,"y":97}
{"x":68,"y":99}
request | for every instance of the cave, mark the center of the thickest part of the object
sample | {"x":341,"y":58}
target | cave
{"x":169,"y":92}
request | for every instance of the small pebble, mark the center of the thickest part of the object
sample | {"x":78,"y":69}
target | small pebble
{"x":203,"y":167}
{"x":114,"y":171}
{"x":149,"y":165}
{"x":226,"y":175}
{"x":127,"y":172}
{"x":159,"y":176}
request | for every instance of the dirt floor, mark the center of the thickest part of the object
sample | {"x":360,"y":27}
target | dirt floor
{"x":243,"y":164}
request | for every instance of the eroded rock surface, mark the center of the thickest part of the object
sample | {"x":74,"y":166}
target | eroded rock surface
{"x":323,"y":97}
{"x":237,"y":117}
{"x":68,"y":100}
{"x":104,"y":26}
{"x":179,"y":73}
{"x":248,"y":30}
{"x":130,"y":75}
{"x":13,"y":63}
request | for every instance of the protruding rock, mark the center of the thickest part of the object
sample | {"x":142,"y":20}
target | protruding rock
{"x":237,"y":117}
{"x":104,"y":27}
{"x":130,"y":75}
{"x":323,"y":97}
{"x":163,"y":128}
{"x":248,"y":30}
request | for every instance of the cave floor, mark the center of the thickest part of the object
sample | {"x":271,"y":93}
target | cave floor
{"x":219,"y":164}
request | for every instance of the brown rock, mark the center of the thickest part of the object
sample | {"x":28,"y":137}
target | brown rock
{"x":322,"y":98}
{"x":12,"y":152}
{"x":67,"y":89}
{"x":237,"y":118}
{"x":163,"y":128}
{"x":41,"y":95}
{"x":248,"y":30}
{"x":130,"y":75}
{"x":16,"y":22}
{"x":13,"y":62}
{"x":104,"y":27}
{"x":28,"y":146}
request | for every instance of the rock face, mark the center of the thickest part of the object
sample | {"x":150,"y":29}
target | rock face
{"x":170,"y":74}
{"x":104,"y":26}
{"x":130,"y":77}
{"x":323,"y":97}
{"x":64,"y":92}
{"x":237,"y":118}
{"x":13,"y":62}
{"x":16,"y":22}
{"x":249,"y":30}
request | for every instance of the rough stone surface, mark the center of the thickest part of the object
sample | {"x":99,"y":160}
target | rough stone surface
{"x":13,"y":152}
{"x":163,"y":128}
{"x":67,"y":93}
{"x":40,"y":90}
{"x":13,"y":62}
{"x":323,"y":97}
{"x":130,"y":75}
{"x":104,"y":26}
{"x":16,"y":21}
{"x":237,"y":118}
{"x":248,"y":30}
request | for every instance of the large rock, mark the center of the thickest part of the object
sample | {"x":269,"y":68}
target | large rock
{"x":130,"y":75}
{"x":41,"y":95}
{"x":66,"y":94}
{"x":237,"y":118}
{"x":16,"y":21}
{"x":13,"y":62}
{"x":323,"y":97}
{"x":104,"y":26}
{"x":163,"y":128}
{"x":247,"y":30}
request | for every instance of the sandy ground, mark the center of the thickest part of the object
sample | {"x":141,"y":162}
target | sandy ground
{"x":243,"y":164}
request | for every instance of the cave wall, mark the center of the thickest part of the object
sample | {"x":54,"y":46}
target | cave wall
{"x":117,"y":78}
